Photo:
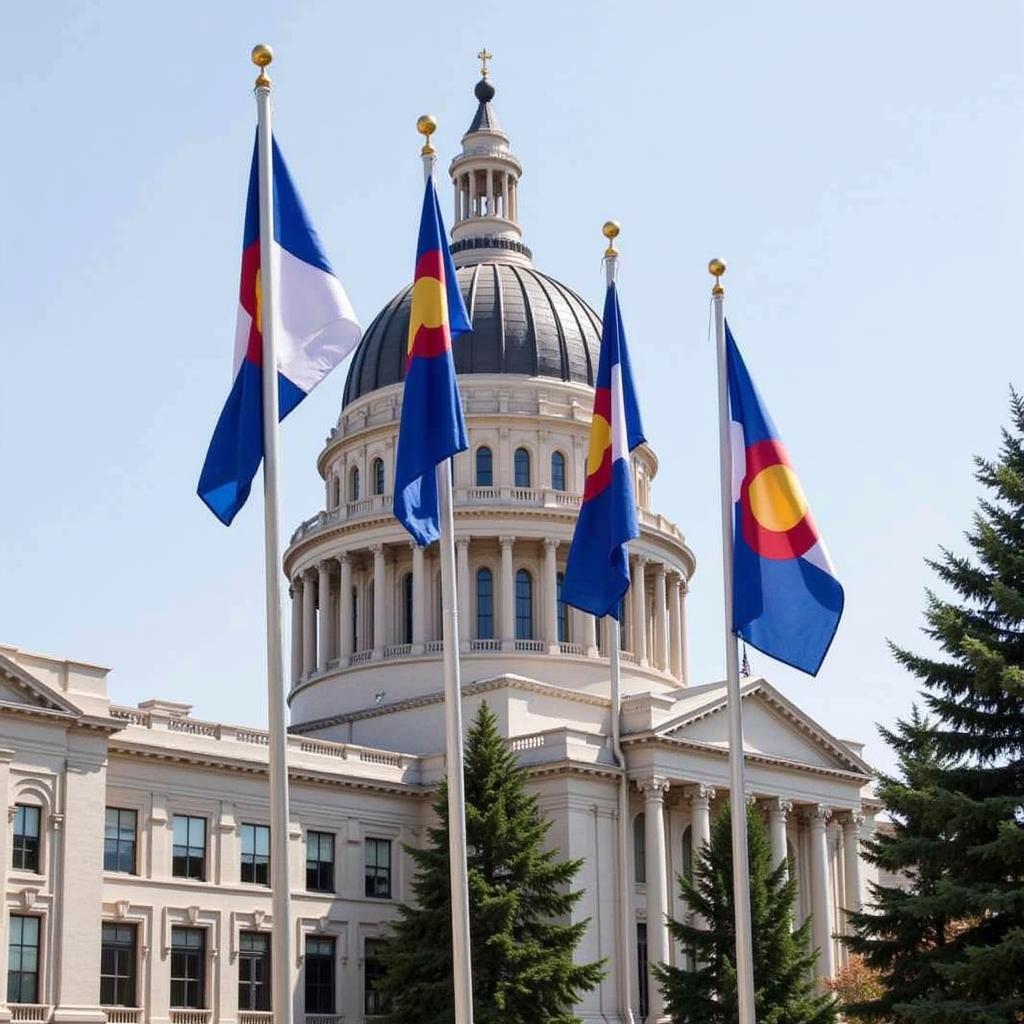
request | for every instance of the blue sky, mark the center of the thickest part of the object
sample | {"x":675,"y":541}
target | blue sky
{"x":859,"y":167}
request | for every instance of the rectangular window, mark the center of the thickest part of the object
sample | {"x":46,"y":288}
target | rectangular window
{"x":256,"y":854}
{"x":117,"y":965}
{"x":254,"y":971}
{"x":641,"y":966}
{"x":374,"y":1002}
{"x":119,"y":840}
{"x":23,"y":960}
{"x":26,"y":838}
{"x":188,"y":961}
{"x":189,"y":847}
{"x":319,"y":965}
{"x":378,"y":868}
{"x":320,"y":862}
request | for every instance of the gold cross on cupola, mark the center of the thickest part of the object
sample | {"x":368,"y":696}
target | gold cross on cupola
{"x":483,"y":56}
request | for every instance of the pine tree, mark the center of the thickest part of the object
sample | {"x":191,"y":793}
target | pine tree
{"x":704,"y":991}
{"x":519,"y":896}
{"x":960,"y":824}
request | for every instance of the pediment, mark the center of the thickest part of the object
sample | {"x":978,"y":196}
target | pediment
{"x":772,"y":726}
{"x":20,"y":690}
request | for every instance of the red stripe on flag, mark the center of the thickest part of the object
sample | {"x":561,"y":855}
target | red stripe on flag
{"x":430,"y":264}
{"x":597,"y":482}
{"x":247,"y":296}
{"x":429,"y":342}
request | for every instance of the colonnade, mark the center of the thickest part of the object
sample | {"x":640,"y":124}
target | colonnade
{"x":835,"y":883}
{"x":495,"y":196}
{"x":382,"y":601}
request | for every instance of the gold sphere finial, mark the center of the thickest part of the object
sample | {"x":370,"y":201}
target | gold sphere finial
{"x":262,"y":56}
{"x":611,"y":231}
{"x":716,"y":268}
{"x":426,"y":125}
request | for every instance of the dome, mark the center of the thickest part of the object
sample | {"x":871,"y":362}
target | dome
{"x":524,"y":322}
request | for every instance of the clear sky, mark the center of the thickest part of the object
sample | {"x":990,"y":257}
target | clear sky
{"x":858,"y":165}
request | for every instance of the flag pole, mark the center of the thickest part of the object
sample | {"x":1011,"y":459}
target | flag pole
{"x":626,"y":940}
{"x":281,"y":896}
{"x":737,"y":799}
{"x":462,"y":971}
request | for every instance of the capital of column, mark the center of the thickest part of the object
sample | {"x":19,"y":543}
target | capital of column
{"x":640,"y":561}
{"x":551,"y":543}
{"x":853,"y":821}
{"x":344,"y":559}
{"x":700,"y":795}
{"x":818,"y":815}
{"x":309,"y":574}
{"x":654,"y":787}
{"x":675,"y":581}
{"x":506,"y":542}
{"x":462,"y":543}
{"x":777,"y":805}
{"x":659,"y":571}
{"x":377,"y":549}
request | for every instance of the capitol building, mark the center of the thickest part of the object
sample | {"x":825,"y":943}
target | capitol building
{"x":137,"y":860}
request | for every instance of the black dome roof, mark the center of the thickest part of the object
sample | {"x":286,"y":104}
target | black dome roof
{"x":524,"y":322}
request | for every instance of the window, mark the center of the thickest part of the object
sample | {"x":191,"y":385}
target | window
{"x":119,"y":842}
{"x":688,"y":852}
{"x":188,"y":958}
{"x":256,"y":854}
{"x":369,"y":612}
{"x":319,"y":861}
{"x":521,"y":461}
{"x":335,"y":492}
{"x":353,"y":484}
{"x":624,"y":625}
{"x":484,"y":604}
{"x":524,"y":605}
{"x":254,"y":971}
{"x":26,"y":838}
{"x":641,"y":966}
{"x":407,"y":608}
{"x":378,"y":476}
{"x":189,"y":847}
{"x":557,"y":471}
{"x":484,"y":467}
{"x":374,"y":1002}
{"x":319,"y":974}
{"x":640,"y":848}
{"x":561,"y":609}
{"x":378,"y":868}
{"x":117,"y":965}
{"x":23,"y":960}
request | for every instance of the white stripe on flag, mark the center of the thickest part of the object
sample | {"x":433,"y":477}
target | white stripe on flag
{"x":620,"y":443}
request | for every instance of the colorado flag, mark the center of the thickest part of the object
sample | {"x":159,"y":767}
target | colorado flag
{"x":597,"y":569}
{"x":316,"y":330}
{"x":787,"y":601}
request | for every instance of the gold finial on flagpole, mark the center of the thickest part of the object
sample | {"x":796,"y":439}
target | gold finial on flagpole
{"x":611,"y":231}
{"x":716,"y":268}
{"x":262,"y":55}
{"x":426,"y":125}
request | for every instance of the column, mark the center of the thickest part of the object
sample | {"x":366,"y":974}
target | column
{"x":308,"y":622}
{"x":639,"y":591}
{"x":551,"y":594}
{"x":684,"y":667}
{"x":675,"y":635}
{"x":490,"y":193}
{"x":295,"y":592}
{"x":817,"y":819}
{"x":345,"y":631}
{"x":472,"y":193}
{"x":379,"y":590}
{"x":654,"y":790}
{"x":778,"y":810}
{"x":324,"y":600}
{"x":851,"y":856}
{"x":6,"y":810}
{"x":700,"y":815}
{"x":457,"y":190}
{"x":462,"y":585}
{"x":419,"y":601}
{"x":507,"y":600}
{"x":660,"y":653}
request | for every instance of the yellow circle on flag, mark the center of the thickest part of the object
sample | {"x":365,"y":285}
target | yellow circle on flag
{"x":776,"y":498}
{"x":600,"y":439}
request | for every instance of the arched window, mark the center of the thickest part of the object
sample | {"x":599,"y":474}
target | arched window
{"x":484,"y":604}
{"x":378,"y":476}
{"x":524,"y":605}
{"x":335,"y":492}
{"x":406,"y":607}
{"x":557,"y":471}
{"x":688,"y":852}
{"x":561,"y":609}
{"x":484,"y":467}
{"x":640,"y":848}
{"x":521,"y":461}
{"x":353,"y":484}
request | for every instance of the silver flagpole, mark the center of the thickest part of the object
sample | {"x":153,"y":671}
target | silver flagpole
{"x":281,"y":896}
{"x":461,"y":961}
{"x":737,"y":794}
{"x":626,"y":938}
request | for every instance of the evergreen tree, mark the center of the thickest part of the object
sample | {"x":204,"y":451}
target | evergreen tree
{"x":519,"y":898}
{"x":961,"y":824}
{"x":704,"y":991}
